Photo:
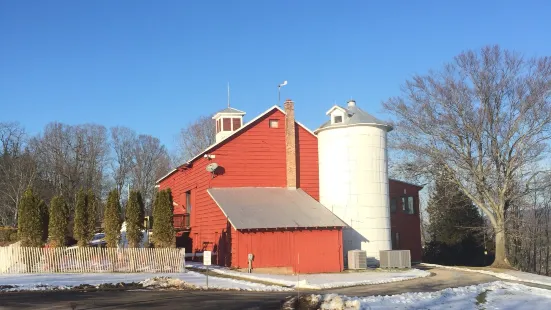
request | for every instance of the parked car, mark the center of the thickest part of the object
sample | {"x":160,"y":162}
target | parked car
{"x":98,"y":240}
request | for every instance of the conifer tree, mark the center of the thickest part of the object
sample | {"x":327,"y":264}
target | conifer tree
{"x":163,"y":225}
{"x":59,"y":221}
{"x":92,"y":214}
{"x":80,"y":231}
{"x":44,"y":219}
{"x":452,"y":215}
{"x":32,"y":220}
{"x":134,"y":216}
{"x":112,"y":219}
{"x":454,"y":226}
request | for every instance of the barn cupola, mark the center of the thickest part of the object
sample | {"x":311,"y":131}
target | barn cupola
{"x":227,"y":122}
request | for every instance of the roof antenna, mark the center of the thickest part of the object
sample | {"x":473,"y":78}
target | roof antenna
{"x":279,"y":91}
{"x":228,"y":94}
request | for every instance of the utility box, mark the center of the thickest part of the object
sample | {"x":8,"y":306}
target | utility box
{"x":395,"y":259}
{"x":357,"y":259}
{"x":148,"y":222}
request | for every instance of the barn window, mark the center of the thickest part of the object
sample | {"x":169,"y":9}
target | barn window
{"x":337,"y":119}
{"x":393,"y":205}
{"x":407,"y":205}
{"x":236,"y":123}
{"x":226,"y":124}
{"x":274,"y":123}
{"x":217,"y":125}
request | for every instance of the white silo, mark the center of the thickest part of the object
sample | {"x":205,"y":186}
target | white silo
{"x":353,"y":168}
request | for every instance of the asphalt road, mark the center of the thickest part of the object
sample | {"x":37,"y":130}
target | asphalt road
{"x":145,"y":299}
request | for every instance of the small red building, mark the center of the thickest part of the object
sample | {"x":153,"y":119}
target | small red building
{"x":256,"y":190}
{"x":404,"y":218}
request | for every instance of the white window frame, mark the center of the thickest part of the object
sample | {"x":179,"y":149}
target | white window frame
{"x":336,"y":113}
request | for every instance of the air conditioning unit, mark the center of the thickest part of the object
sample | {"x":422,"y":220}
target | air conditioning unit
{"x":395,"y":259}
{"x":357,"y":259}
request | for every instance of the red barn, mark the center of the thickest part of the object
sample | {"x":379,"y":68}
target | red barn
{"x":256,"y":190}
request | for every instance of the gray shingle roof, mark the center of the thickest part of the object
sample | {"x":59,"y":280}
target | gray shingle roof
{"x":356,"y":116}
{"x":261,"y":207}
{"x":230,"y":110}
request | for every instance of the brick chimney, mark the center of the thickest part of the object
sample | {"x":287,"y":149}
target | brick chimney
{"x":290,"y":144}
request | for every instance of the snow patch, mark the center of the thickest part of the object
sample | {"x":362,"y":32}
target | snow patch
{"x":162,"y":282}
{"x":499,"y":295}
{"x":190,"y":279}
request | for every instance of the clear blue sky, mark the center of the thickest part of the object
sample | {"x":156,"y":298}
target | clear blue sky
{"x":156,"y":65}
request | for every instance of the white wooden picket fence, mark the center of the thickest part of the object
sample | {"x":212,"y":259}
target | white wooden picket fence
{"x":90,"y":259}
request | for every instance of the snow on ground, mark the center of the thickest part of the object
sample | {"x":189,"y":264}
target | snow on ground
{"x":512,"y":275}
{"x":493,"y":295}
{"x":69,"y":280}
{"x":323,"y":280}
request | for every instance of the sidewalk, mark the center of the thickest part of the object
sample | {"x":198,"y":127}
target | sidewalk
{"x":322,"y":280}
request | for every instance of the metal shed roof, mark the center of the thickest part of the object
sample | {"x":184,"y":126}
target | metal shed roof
{"x":261,"y":207}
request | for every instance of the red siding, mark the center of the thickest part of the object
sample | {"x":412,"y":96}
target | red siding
{"x":307,"y":162}
{"x":407,"y":225}
{"x":304,"y":251}
{"x":252,"y":157}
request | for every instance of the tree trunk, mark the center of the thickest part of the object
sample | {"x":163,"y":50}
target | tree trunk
{"x":500,"y":260}
{"x":534,"y":248}
{"x":547,"y":243}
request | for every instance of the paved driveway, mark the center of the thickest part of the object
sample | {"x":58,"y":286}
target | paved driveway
{"x":442,"y":278}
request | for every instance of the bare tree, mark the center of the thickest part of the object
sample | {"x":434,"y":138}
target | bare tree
{"x":123,"y":141}
{"x":11,"y":138}
{"x":95,"y":155}
{"x":72,"y":157}
{"x":17,"y":171}
{"x":151,"y":161}
{"x":485,"y":118}
{"x":528,"y":227}
{"x":195,"y":138}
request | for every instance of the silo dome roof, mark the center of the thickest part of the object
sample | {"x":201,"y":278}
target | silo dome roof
{"x":355,"y":116}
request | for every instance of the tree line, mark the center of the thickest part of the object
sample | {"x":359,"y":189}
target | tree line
{"x":456,"y":233}
{"x":63,"y":158}
{"x":40,"y":224}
